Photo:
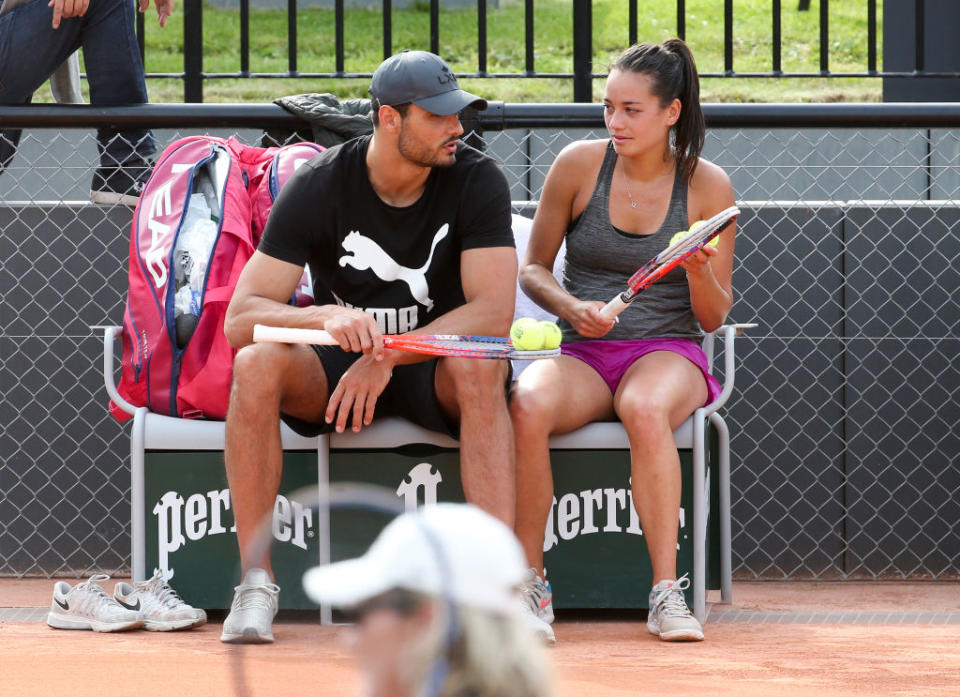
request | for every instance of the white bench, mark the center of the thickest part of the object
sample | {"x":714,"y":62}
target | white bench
{"x":157,"y":432}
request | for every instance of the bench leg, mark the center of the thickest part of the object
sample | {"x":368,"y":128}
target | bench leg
{"x":726,"y":562}
{"x":323,"y":514}
{"x":138,"y":514}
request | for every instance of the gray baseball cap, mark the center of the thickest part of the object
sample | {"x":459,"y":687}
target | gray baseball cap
{"x":424,"y":79}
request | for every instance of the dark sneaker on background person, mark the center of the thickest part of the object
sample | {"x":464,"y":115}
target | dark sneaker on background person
{"x":87,"y":606}
{"x":162,"y":609}
{"x":251,"y":614}
{"x":538,"y":605}
{"x":119,"y":185}
{"x":669,"y":616}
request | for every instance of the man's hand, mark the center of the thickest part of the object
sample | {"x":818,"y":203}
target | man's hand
{"x":356,"y":331}
{"x":67,"y":8}
{"x":164,"y":9}
{"x":357,"y":393}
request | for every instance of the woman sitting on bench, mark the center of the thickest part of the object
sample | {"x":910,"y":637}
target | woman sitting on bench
{"x":617,"y":202}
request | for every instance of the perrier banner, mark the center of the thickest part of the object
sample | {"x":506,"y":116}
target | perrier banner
{"x":594,"y":551}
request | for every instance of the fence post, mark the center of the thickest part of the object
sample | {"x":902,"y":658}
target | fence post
{"x":582,"y":51}
{"x":193,"y":51}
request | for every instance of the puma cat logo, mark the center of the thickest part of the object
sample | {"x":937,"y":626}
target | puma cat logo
{"x":363,"y":253}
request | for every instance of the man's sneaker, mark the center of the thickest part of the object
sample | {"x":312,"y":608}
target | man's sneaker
{"x":87,"y":606}
{"x":252,"y":611}
{"x":669,"y":617}
{"x":538,"y":605}
{"x":163,"y":610}
{"x":119,"y":185}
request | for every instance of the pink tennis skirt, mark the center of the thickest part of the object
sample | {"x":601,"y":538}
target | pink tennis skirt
{"x":611,"y":359}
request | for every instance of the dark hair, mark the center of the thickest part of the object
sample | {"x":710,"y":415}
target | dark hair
{"x":375,"y":110}
{"x":673,"y":72}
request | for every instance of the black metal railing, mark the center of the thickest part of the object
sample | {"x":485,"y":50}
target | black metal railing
{"x":498,"y":116}
{"x":582,"y":69}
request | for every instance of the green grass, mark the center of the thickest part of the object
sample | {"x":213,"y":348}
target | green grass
{"x":554,"y":47}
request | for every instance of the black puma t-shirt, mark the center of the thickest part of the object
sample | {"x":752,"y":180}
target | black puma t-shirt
{"x":401,"y":265}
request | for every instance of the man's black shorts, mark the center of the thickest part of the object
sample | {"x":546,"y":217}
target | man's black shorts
{"x":410,"y":394}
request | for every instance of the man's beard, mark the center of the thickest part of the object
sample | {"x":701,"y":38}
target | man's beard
{"x":421,"y":154}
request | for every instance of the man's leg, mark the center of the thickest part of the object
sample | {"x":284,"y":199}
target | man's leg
{"x":473,"y":391}
{"x":267,"y":379}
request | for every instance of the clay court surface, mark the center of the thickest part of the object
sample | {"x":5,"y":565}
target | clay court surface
{"x":776,"y":640}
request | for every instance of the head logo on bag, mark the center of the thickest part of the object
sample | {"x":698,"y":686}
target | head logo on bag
{"x":197,"y":224}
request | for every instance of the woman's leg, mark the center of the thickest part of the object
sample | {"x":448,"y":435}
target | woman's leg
{"x":550,"y":396}
{"x":656,"y":395}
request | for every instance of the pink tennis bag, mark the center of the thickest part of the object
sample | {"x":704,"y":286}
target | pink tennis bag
{"x":198,"y":221}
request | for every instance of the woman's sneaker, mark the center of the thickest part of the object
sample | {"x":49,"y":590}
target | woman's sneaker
{"x":538,"y":605}
{"x":87,"y":606}
{"x":669,"y":617}
{"x":163,"y":610}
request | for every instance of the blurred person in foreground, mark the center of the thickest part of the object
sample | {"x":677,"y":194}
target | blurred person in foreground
{"x":437,"y":608}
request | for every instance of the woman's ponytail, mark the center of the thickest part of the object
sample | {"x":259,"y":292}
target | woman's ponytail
{"x":673,"y":73}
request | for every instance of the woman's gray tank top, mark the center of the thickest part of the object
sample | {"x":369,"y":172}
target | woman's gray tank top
{"x":600,"y":259}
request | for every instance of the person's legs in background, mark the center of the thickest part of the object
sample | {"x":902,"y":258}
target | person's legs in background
{"x":115,"y":74}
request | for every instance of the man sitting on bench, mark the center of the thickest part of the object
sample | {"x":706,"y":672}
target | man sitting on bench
{"x":406,"y":229}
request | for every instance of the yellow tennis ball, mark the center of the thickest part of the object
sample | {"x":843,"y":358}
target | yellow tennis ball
{"x":551,"y":334}
{"x":680,"y":235}
{"x":526,"y":334}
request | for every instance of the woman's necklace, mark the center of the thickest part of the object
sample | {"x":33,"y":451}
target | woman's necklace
{"x":633,"y":202}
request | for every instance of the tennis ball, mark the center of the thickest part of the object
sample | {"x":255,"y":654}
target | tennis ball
{"x":551,"y":334}
{"x":526,"y":334}
{"x":680,"y":235}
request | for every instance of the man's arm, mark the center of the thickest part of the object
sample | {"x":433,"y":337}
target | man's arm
{"x":263,"y":289}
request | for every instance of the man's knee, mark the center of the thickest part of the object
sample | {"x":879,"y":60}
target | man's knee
{"x":260,"y":369}
{"x":474,"y":378}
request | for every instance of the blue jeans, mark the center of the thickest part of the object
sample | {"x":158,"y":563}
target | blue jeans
{"x":31,"y":50}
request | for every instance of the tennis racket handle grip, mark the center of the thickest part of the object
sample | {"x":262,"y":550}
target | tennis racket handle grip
{"x":613,"y":308}
{"x":291,"y":335}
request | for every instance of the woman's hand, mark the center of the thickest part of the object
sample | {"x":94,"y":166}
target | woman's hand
{"x":587,"y":320}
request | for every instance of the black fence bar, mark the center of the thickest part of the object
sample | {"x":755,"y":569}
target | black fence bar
{"x":498,"y":116}
{"x":529,"y":37}
{"x":435,"y":26}
{"x":338,"y":36}
{"x":292,"y":36}
{"x":193,"y":51}
{"x":245,"y":37}
{"x":918,"y":30}
{"x":824,"y":36}
{"x":582,"y":51}
{"x":482,"y":36}
{"x":728,"y":37}
{"x":871,"y":36}
{"x":632,"y":21}
{"x":387,"y":28}
{"x":682,"y":19}
{"x":776,"y":29}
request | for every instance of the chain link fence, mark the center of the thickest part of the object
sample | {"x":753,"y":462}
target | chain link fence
{"x":845,"y":450}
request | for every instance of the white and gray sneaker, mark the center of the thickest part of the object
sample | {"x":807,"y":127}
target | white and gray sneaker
{"x":87,"y":606}
{"x":163,"y":610}
{"x":251,"y":614}
{"x":538,"y":605}
{"x":669,"y":617}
